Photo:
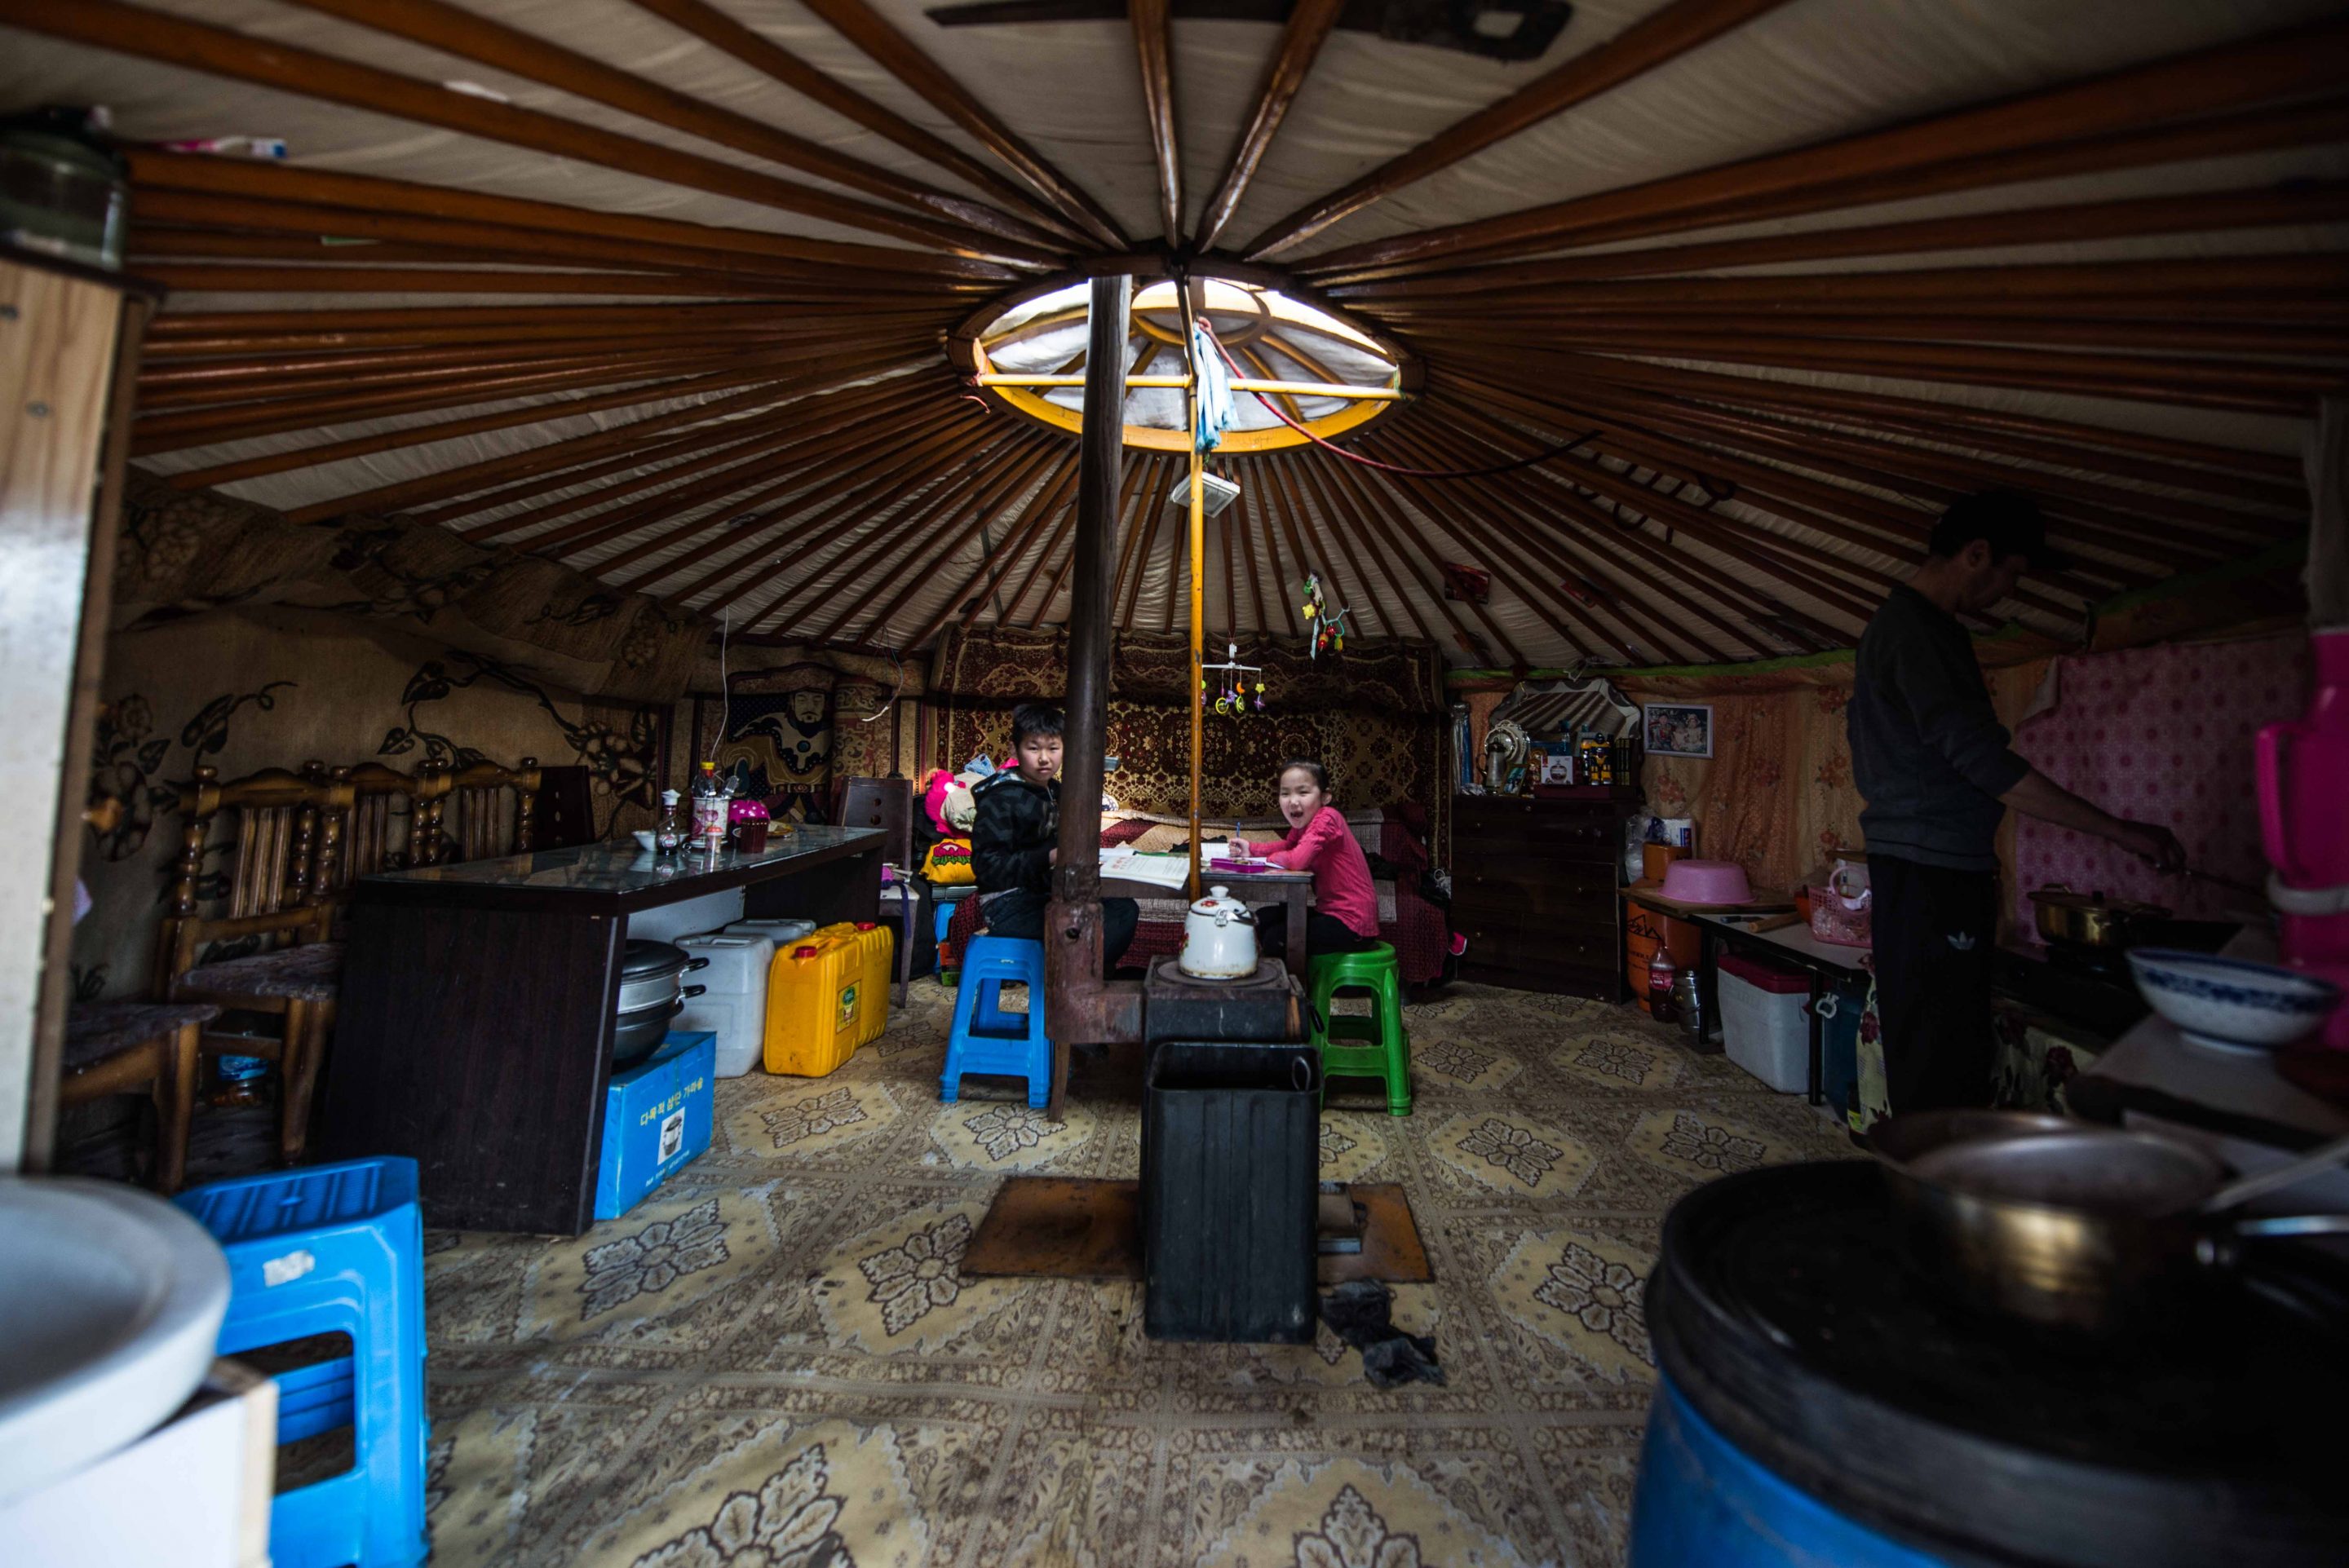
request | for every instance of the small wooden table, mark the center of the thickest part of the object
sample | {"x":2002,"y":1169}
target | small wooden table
{"x":1294,"y":890}
{"x":474,"y":1031}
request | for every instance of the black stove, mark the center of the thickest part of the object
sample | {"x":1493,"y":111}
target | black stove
{"x":2091,"y":988}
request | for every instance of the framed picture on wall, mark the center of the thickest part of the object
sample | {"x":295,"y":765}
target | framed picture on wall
{"x":1677,"y":729}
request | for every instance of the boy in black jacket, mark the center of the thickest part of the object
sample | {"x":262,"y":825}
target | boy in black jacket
{"x":1012,"y":839}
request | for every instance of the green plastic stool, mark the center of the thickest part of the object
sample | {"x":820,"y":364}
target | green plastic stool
{"x":1377,"y":1046}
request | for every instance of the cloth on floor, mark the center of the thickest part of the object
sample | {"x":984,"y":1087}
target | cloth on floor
{"x":1356,"y":1312}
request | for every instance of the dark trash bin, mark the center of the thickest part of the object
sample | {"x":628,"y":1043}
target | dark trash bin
{"x":1230,"y":1163}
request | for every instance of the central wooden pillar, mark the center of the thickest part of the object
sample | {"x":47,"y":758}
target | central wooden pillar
{"x":1082,"y":1008}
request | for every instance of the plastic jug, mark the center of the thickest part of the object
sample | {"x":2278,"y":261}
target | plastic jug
{"x":816,"y":1000}
{"x":2303,"y":776}
{"x":878,"y":948}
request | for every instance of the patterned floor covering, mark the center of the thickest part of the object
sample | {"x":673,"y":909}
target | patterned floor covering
{"x":774,"y":1360}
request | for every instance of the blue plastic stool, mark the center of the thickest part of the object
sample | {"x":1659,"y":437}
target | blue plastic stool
{"x":336,"y":1249}
{"x":986,"y":1038}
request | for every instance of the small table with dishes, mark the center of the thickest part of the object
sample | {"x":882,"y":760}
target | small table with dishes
{"x":1738,"y":926}
{"x":474,"y":1031}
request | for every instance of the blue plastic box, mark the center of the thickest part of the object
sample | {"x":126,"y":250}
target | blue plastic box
{"x":657,"y":1117}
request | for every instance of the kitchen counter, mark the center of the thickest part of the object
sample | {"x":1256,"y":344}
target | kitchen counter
{"x":2235,"y":1104}
{"x":474,"y":1029}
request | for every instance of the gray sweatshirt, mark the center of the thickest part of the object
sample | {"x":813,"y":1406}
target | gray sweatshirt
{"x":1928,"y":751}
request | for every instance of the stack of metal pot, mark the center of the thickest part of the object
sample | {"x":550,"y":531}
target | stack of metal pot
{"x":650,"y":996}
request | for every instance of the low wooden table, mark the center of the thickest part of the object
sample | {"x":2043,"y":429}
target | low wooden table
{"x":1293,"y":890}
{"x":474,"y":1030}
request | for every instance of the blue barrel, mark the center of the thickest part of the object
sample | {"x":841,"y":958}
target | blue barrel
{"x":1825,"y":1403}
{"x":1701,"y":1503}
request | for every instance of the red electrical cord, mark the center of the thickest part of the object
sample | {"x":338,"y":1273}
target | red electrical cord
{"x":1541,"y":457}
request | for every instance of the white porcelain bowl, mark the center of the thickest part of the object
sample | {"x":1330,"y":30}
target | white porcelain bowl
{"x":110,"y":1307}
{"x":645,"y":842}
{"x":2231,"y":1002}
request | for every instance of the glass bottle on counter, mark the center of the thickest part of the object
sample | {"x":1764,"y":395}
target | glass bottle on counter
{"x":668,"y":832}
{"x":713,"y":797}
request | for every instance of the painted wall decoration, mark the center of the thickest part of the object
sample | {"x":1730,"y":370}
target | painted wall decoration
{"x":243,"y":690}
{"x":184,"y":550}
{"x":2158,"y":735}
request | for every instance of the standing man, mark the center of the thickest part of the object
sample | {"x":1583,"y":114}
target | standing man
{"x":1937,"y":772}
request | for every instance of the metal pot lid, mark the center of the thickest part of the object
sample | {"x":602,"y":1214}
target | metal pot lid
{"x":650,"y":960}
{"x":2061,"y":897}
{"x":661,"y":1008}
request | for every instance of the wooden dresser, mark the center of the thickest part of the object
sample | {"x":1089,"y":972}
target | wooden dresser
{"x":1533,"y":888}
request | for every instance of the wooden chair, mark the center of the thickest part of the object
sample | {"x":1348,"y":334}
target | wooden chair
{"x":888,"y":804}
{"x":284,"y":856}
{"x":495,"y":808}
{"x":128,"y":1047}
{"x":394,"y":820}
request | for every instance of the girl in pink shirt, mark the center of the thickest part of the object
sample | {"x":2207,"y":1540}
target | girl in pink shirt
{"x":1345,"y":917}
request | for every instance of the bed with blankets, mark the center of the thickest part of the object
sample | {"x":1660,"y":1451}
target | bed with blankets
{"x":1413,"y":914}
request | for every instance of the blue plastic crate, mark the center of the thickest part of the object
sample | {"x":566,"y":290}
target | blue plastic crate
{"x":656,"y":1118}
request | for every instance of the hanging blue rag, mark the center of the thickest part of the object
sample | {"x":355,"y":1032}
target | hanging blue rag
{"x":1212,"y":407}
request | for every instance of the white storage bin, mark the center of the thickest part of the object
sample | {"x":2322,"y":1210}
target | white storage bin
{"x":667,"y":921}
{"x":775,"y":931}
{"x":1764,"y":1025}
{"x":733,"y":1001}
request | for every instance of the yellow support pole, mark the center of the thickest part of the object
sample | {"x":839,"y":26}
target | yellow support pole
{"x":1198,"y":559}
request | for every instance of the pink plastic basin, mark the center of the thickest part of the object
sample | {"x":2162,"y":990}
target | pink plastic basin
{"x":1706,"y":881}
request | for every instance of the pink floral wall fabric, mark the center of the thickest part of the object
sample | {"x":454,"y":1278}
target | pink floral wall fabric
{"x":2159,"y":735}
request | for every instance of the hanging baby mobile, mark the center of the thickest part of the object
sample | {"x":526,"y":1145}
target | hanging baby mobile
{"x":1326,"y":621}
{"x":1241,"y":687}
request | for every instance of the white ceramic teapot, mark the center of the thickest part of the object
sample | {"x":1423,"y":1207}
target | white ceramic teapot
{"x":1218,"y":938}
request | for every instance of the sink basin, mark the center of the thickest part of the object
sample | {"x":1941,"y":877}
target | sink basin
{"x":110,"y":1307}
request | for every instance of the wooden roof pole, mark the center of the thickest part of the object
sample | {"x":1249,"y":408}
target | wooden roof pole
{"x":804,"y":536}
{"x":1153,"y":44}
{"x":240,"y":57}
{"x":865,"y":27}
{"x":2287,"y":63}
{"x":808,"y":381}
{"x":847,"y":467}
{"x":1135,"y":473}
{"x":1241,"y":510}
{"x":227,"y":181}
{"x":1084,"y":1006}
{"x":929,"y":550}
{"x":2310,"y":201}
{"x":759,"y":52}
{"x":1653,"y":41}
{"x":1052,"y":504}
{"x":932,"y":499}
{"x":1302,"y":38}
{"x":453,"y":31}
{"x":2232,"y":464}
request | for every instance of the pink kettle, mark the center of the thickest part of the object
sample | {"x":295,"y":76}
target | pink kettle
{"x":2304,"y":787}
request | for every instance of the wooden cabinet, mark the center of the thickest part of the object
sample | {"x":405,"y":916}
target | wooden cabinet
{"x":1533,"y":888}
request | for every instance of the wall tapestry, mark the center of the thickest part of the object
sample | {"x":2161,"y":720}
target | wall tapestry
{"x":1376,"y":757}
{"x":780,"y":722}
{"x":1011,"y":665}
{"x":2158,"y":735}
{"x":187,"y":550}
{"x":241,"y":691}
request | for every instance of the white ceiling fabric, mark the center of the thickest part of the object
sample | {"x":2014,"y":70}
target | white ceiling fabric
{"x":1808,"y":70}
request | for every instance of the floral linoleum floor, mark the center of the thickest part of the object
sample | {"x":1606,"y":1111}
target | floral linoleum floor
{"x":774,"y":1362}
